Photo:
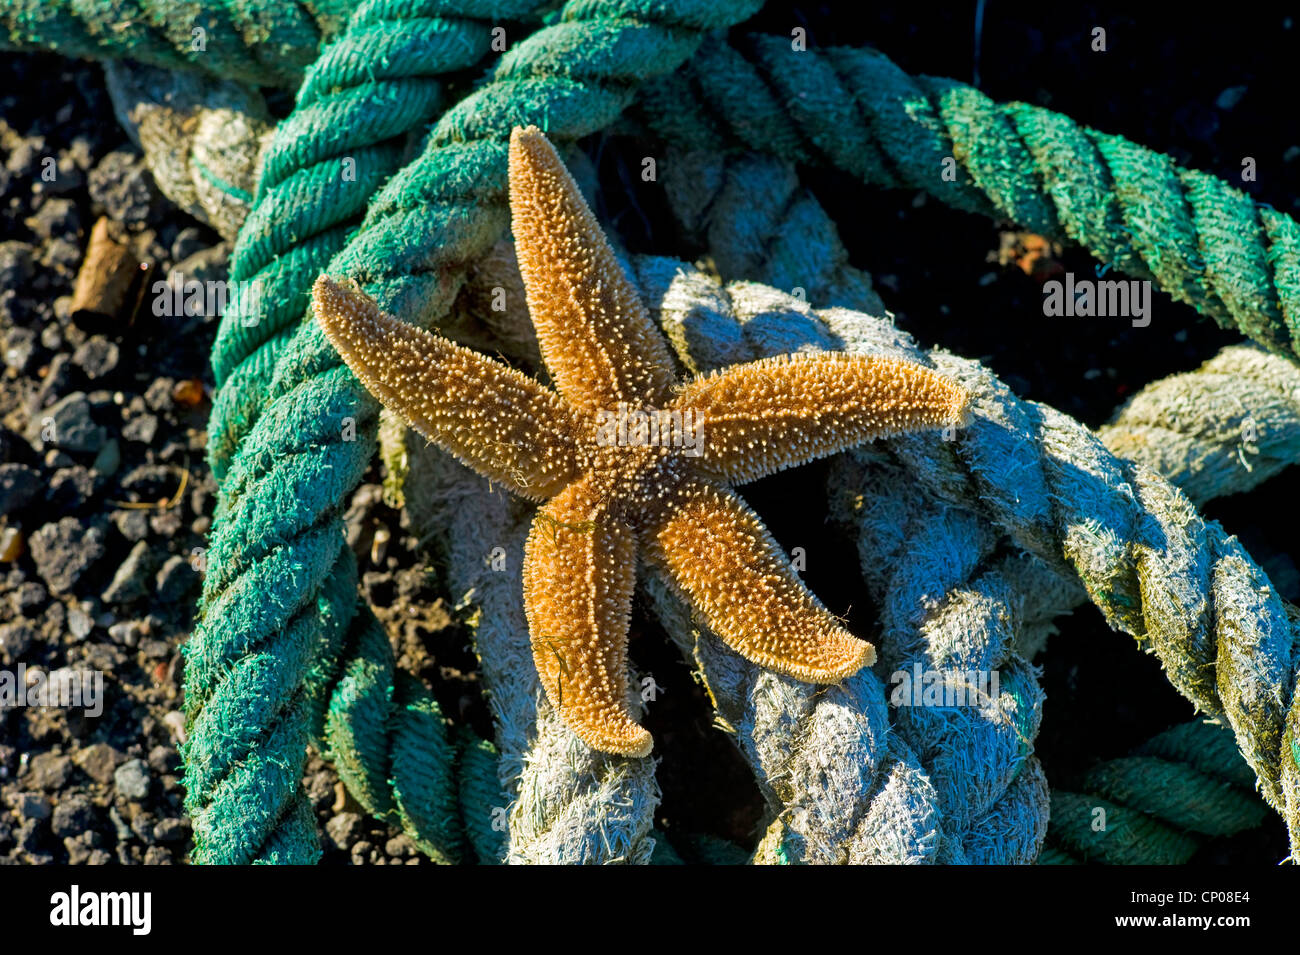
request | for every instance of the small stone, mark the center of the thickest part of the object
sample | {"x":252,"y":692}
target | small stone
{"x":67,"y":424}
{"x":127,"y":633}
{"x":52,"y":337}
{"x":15,"y":264}
{"x":175,"y":580}
{"x":170,"y":830}
{"x":132,"y":523}
{"x":19,"y":485}
{"x":157,"y":855}
{"x":1230,"y":97}
{"x":78,"y":851}
{"x":166,"y":523}
{"x":15,"y":640}
{"x":344,"y":829}
{"x":28,"y":598}
{"x":400,"y":846}
{"x":123,"y":188}
{"x":109,"y":458}
{"x":188,"y":393}
{"x":132,"y":779}
{"x":120,"y":827}
{"x":142,"y":825}
{"x":97,"y":357}
{"x":12,"y":544}
{"x":79,"y":623}
{"x":57,"y":381}
{"x":131,"y":582}
{"x":19,"y":349}
{"x":142,"y":429}
{"x":55,"y":219}
{"x":32,"y":806}
{"x":70,"y":488}
{"x":65,"y":550}
{"x":49,"y":771}
{"x":159,"y":395}
{"x":57,"y":460}
{"x":72,"y":816}
{"x":175,"y":722}
{"x":164,"y":759}
{"x":98,"y":761}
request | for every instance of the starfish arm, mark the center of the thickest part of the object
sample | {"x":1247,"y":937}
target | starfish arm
{"x":594,"y":332}
{"x":723,"y":560}
{"x":497,"y":420}
{"x":579,"y":571}
{"x":761,"y":417}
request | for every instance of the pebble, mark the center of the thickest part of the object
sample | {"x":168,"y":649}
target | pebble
{"x":15,"y":640}
{"x":158,"y":396}
{"x":344,"y":829}
{"x":97,"y":357}
{"x":132,"y":523}
{"x":132,"y":779}
{"x":98,"y":761}
{"x":32,"y":806}
{"x":49,"y":771}
{"x":67,"y":424}
{"x":19,"y":485}
{"x":175,"y":579}
{"x":142,"y":429}
{"x":175,"y":722}
{"x":57,"y":381}
{"x":19,"y":350}
{"x":164,"y":759}
{"x":72,"y":816}
{"x":170,"y":830}
{"x":65,"y":550}
{"x":79,"y":623}
{"x":55,"y":219}
{"x":15,"y":264}
{"x":109,"y":458}
{"x":27,"y":598}
{"x":70,"y":489}
{"x":131,"y":582}
{"x":123,"y":188}
{"x":127,"y":633}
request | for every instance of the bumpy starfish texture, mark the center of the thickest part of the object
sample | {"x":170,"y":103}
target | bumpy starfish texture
{"x":627,"y":460}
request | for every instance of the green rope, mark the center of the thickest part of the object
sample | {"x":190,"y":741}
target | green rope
{"x":1193,"y":235}
{"x":264,"y":42}
{"x":278,"y":530}
{"x":1158,"y":805}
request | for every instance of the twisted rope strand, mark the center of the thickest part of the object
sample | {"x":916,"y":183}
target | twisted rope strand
{"x":1190,"y":233}
{"x":420,"y":231}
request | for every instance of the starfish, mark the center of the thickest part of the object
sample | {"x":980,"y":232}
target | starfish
{"x":629,"y":460}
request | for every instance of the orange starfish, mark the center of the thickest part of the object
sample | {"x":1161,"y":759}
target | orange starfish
{"x":626,"y":457}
